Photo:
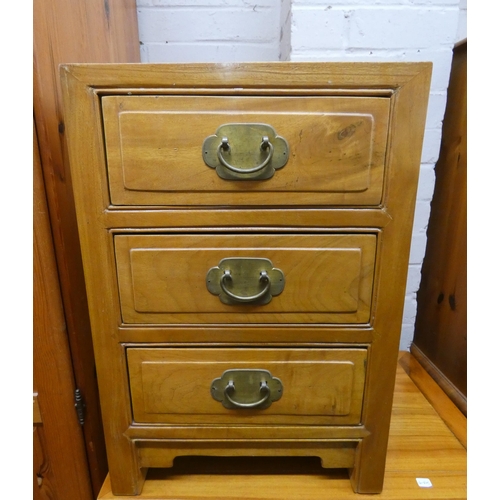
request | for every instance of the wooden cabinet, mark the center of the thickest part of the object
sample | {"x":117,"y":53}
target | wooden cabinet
{"x":245,"y":232}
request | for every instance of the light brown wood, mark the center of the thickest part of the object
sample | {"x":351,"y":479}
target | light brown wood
{"x":328,"y":278}
{"x":60,"y":467}
{"x":438,"y":376}
{"x":265,"y":220}
{"x":440,"y":400}
{"x":320,"y":386}
{"x":336,"y":149}
{"x":77,"y":31}
{"x":333,"y":454}
{"x":420,"y":445}
{"x":406,"y":86}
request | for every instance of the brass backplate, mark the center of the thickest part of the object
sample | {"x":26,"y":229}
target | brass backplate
{"x":245,"y":152}
{"x":246,"y":389}
{"x":245,"y":280}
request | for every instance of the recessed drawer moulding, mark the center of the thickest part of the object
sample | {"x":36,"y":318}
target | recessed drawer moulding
{"x":336,"y":148}
{"x":245,"y":231}
{"x":324,"y":386}
{"x":328,"y":277}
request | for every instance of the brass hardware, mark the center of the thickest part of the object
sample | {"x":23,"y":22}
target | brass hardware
{"x":246,"y":389}
{"x":245,"y":151}
{"x":245,"y":280}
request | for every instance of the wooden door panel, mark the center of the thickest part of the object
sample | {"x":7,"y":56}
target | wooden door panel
{"x":60,"y":461}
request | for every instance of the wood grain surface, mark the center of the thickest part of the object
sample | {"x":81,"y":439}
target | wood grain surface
{"x":320,"y":386}
{"x":420,"y":446}
{"x":336,"y":149}
{"x":59,"y":460}
{"x":328,"y":278}
{"x":406,"y":87}
{"x":441,"y":321}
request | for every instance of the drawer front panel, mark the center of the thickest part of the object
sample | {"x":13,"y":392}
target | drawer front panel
{"x":175,"y":385}
{"x":336,"y":149}
{"x":328,"y":278}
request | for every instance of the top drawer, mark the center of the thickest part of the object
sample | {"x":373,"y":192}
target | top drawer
{"x":334,"y":149}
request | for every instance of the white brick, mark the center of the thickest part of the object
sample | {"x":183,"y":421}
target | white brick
{"x":318,"y":29}
{"x":183,"y":25}
{"x":381,"y":3}
{"x":441,"y":59}
{"x":426,"y":182}
{"x":144,"y":54}
{"x":213,"y":4}
{"x":413,"y":279}
{"x":421,"y":218}
{"x":407,"y":333}
{"x":211,"y":52}
{"x":436,"y":109}
{"x":285,"y":42}
{"x":431,"y":146}
{"x":386,"y":28}
{"x":462,"y":25}
{"x":410,"y":309}
{"x":417,"y":251}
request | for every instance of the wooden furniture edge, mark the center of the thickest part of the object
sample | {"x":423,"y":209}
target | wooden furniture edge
{"x":382,"y":80}
{"x":451,"y":415}
{"x":440,"y":378}
{"x":387,"y":75}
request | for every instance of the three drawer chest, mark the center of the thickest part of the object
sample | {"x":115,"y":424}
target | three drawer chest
{"x":245,"y":232}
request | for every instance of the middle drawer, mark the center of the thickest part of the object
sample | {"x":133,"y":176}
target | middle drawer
{"x":245,"y":278}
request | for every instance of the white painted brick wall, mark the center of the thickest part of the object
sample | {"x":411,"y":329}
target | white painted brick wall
{"x":321,"y":30}
{"x":389,"y":30}
{"x":462,"y":22}
{"x":209,"y":30}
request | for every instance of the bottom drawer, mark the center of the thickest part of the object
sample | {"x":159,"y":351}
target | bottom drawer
{"x":235,"y":386}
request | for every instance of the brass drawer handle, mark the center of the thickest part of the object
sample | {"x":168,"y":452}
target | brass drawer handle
{"x":231,"y":389}
{"x":224,"y":146}
{"x":236,"y":151}
{"x":264,"y":278}
{"x":246,"y":389}
{"x":236,"y":279}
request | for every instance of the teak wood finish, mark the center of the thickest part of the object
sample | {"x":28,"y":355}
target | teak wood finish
{"x":420,"y":445}
{"x":159,"y":278}
{"x":381,"y":221}
{"x":334,"y":150}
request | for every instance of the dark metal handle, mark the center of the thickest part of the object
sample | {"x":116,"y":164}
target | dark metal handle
{"x":231,"y":389}
{"x":264,"y":277}
{"x":224,"y":146}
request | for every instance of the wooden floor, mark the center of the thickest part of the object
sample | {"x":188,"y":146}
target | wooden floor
{"x":421,"y":445}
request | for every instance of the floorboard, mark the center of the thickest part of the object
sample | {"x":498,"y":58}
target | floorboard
{"x":421,"y":445}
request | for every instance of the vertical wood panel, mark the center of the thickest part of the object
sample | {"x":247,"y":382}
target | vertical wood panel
{"x":76,"y":31}
{"x":60,"y":462}
{"x":441,"y":322}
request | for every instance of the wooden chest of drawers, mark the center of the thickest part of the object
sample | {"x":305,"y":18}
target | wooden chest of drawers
{"x":245,"y":231}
